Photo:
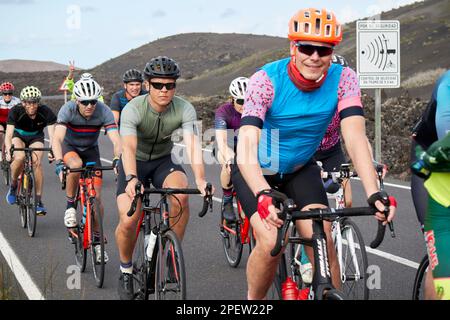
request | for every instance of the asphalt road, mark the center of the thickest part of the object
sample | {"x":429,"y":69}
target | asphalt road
{"x":49,"y":264}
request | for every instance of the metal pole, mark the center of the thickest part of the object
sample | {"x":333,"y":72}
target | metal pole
{"x":378,"y":125}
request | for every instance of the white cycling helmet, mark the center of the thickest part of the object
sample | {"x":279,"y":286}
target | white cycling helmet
{"x":86,"y":76}
{"x":238,"y":87}
{"x":87,"y":89}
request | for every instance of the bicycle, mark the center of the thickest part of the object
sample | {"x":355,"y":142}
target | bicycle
{"x":88,"y":213}
{"x":347,"y":239}
{"x":5,"y":165}
{"x":26,"y":191}
{"x":321,"y":287}
{"x":236,"y":235}
{"x":160,"y":270}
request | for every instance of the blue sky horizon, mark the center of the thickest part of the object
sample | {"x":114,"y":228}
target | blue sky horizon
{"x":92,"y":32}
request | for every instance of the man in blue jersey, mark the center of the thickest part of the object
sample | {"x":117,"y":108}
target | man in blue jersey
{"x":287,"y":109}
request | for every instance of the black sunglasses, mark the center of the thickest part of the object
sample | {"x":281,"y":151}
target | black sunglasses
{"x":309,"y":49}
{"x":160,"y":85}
{"x":88,"y":102}
{"x":240,"y":101}
{"x":7,"y":93}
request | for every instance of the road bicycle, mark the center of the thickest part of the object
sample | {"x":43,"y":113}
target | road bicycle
{"x":26,"y":190}
{"x":89,"y":215}
{"x":160,"y":270}
{"x":235,"y":235}
{"x":5,"y":165}
{"x":347,"y":238}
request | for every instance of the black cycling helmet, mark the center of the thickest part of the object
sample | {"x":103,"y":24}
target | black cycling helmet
{"x":132,"y":75}
{"x":162,"y":67}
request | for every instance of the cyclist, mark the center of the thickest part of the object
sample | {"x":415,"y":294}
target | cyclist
{"x":76,"y":142}
{"x":70,"y":82}
{"x":25,"y":129}
{"x":132,"y":87}
{"x":227,"y":120}
{"x":147,"y":124}
{"x":433,"y":125}
{"x":434,"y":166}
{"x":7,"y":101}
{"x":297,"y":97}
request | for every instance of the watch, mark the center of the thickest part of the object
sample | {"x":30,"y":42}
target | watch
{"x":130,"y":177}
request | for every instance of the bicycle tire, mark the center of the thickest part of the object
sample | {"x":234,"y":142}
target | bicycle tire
{"x":333,"y":294}
{"x":274,"y":292}
{"x":80,"y":251}
{"x":20,"y":195}
{"x":98,"y":267}
{"x":231,"y":240}
{"x":170,"y":284}
{"x":419,"y":281}
{"x":353,"y":288}
{"x":6,"y":171}
{"x":140,"y":267}
{"x":31,"y":203}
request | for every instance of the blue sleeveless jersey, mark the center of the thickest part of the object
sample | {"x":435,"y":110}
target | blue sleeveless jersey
{"x":296,"y":122}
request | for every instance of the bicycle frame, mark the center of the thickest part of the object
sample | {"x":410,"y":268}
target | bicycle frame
{"x":243,"y":220}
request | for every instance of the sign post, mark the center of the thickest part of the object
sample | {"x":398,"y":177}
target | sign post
{"x":65,"y":88}
{"x":378,"y":63}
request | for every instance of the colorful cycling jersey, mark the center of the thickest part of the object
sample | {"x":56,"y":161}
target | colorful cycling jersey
{"x":25,"y":126}
{"x":294,"y":122}
{"x":83,"y":133}
{"x":331,"y":137}
{"x":227,"y":118}
{"x":154,"y":130}
{"x":5,"y":107}
{"x":119,"y":100}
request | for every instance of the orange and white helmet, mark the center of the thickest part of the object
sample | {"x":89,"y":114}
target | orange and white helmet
{"x":315,"y":25}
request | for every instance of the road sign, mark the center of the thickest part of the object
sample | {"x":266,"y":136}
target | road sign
{"x":378,"y":53}
{"x":63,"y":86}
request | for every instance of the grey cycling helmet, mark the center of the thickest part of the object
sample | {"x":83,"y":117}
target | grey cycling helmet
{"x":132,"y":75}
{"x":162,"y":67}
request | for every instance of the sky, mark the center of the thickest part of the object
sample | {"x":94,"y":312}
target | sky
{"x":92,"y":32}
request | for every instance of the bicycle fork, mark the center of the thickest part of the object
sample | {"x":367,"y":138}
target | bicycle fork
{"x":350,"y":243}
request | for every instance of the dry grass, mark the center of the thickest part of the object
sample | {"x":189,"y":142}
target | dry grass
{"x":424,"y":78}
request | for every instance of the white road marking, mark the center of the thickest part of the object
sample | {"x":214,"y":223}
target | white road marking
{"x":22,"y":276}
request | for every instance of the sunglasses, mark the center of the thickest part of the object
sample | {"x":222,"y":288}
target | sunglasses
{"x":89,"y":102}
{"x":240,"y":101}
{"x":309,"y":49}
{"x":160,"y":85}
{"x":7,"y":93}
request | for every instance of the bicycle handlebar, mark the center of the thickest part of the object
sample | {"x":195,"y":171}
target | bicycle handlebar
{"x":84,"y":169}
{"x":29,"y":150}
{"x":207,"y":199}
{"x":289,"y":214}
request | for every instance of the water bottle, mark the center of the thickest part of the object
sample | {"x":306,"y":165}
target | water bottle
{"x":150,"y":240}
{"x":289,"y":290}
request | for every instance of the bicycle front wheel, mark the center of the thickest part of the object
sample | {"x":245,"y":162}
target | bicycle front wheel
{"x":231,"y":239}
{"x":354,"y":262}
{"x":31,"y":203}
{"x":140,"y":268}
{"x":21,"y":203}
{"x":419,"y":281}
{"x":97,"y":246}
{"x":77,"y":236}
{"x":170,"y":277}
{"x":6,"y":171}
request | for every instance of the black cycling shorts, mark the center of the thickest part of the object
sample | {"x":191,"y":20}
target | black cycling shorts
{"x":303,"y":186}
{"x":29,"y":140}
{"x":88,"y":155}
{"x":156,"y":170}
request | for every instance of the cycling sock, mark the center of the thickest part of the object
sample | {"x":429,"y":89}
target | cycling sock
{"x":70,"y":202}
{"x":38,"y":199}
{"x":126,"y":267}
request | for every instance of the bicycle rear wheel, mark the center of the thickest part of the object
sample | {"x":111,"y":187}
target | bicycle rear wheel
{"x":170,"y":277}
{"x":419,"y":281}
{"x":231,"y":240}
{"x":31,"y":203}
{"x":354,"y":262}
{"x":140,"y":267}
{"x":98,"y":258}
